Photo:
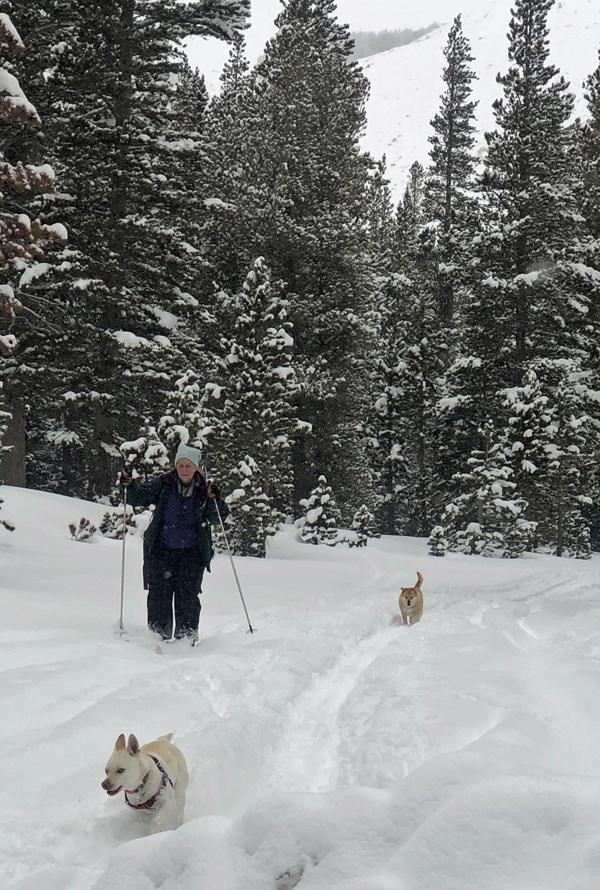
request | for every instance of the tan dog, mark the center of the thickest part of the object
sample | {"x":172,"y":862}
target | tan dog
{"x":411,"y":602}
{"x":153,"y":777}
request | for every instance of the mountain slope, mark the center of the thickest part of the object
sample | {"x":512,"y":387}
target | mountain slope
{"x":406,"y":82}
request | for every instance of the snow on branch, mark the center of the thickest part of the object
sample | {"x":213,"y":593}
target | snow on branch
{"x":9,"y":34}
{"x":14,"y":105}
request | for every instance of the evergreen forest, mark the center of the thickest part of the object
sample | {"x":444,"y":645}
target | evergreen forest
{"x":232,"y":272}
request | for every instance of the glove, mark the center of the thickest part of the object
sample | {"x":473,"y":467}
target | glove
{"x":126,"y":478}
{"x":213,"y":490}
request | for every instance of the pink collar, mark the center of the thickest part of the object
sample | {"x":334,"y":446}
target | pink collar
{"x":148,"y":804}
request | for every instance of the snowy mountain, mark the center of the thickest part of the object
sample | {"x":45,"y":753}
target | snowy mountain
{"x":334,"y":750}
{"x":406,"y":82}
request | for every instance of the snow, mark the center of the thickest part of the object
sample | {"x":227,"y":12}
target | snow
{"x":130,"y":340}
{"x":406,"y":82}
{"x":8,"y":343}
{"x":403,"y":101}
{"x":14,"y":95}
{"x":35,"y":270}
{"x":335,"y":745}
{"x":6,"y":23}
{"x":58,"y":230}
{"x":217,"y":202}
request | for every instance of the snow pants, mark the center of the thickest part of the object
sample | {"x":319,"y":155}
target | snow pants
{"x":174,"y":579}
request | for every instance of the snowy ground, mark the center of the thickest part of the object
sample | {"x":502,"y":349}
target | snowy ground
{"x":334,"y":750}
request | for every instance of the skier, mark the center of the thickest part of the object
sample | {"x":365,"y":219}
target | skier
{"x":177,"y":542}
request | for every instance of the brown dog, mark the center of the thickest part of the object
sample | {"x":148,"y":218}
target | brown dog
{"x":411,"y":602}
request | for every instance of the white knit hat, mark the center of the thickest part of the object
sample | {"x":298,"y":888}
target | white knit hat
{"x":191,"y":454}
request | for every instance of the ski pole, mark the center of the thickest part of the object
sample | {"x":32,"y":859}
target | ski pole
{"x":121,"y":628}
{"x":251,"y":629}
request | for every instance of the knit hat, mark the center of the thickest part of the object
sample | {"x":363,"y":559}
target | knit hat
{"x":191,"y":454}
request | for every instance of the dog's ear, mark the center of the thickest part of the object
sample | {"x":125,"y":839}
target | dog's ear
{"x":133,"y":746}
{"x":120,"y":743}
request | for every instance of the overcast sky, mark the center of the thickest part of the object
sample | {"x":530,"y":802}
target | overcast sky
{"x":361,"y":15}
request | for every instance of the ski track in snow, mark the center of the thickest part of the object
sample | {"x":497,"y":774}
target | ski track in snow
{"x":309,"y":758}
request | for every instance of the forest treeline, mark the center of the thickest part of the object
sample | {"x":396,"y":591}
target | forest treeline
{"x":369,"y":43}
{"x":233,"y":271}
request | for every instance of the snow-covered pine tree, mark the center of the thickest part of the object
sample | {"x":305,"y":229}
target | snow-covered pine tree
{"x":528,"y":251}
{"x":437,"y":543}
{"x":590,"y":192}
{"x":363,"y":523}
{"x":4,"y":418}
{"x":320,"y":522}
{"x":487,"y":517}
{"x":409,"y":216}
{"x":259,"y":390}
{"x":531,"y":301}
{"x":590,"y":267}
{"x":147,"y":454}
{"x":450,"y":214}
{"x":381,"y":221}
{"x":386,"y":431}
{"x":313,"y":231}
{"x":23,"y":242}
{"x":449,"y":203}
{"x":548,"y":436}
{"x":183,"y":418}
{"x":413,"y":348}
{"x":235,"y":196}
{"x":252,"y":516}
{"x":138,"y":250}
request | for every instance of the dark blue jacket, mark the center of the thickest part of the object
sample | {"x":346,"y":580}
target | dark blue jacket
{"x":156,"y":491}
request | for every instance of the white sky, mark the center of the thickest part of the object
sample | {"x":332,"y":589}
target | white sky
{"x":374,"y":15}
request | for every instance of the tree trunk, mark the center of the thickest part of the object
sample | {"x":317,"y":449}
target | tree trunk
{"x":12,"y":462}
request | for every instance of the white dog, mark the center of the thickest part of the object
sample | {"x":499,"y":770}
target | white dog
{"x":153,"y":777}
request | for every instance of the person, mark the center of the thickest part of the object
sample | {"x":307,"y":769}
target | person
{"x":177,"y":542}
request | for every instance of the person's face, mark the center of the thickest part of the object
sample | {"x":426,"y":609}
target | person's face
{"x":185,"y":470}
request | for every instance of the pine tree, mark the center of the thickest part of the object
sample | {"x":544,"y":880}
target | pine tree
{"x":437,"y":543}
{"x":363,"y":523}
{"x":530,"y":302}
{"x":531,"y":243}
{"x":313,"y":231}
{"x":449,"y":205}
{"x":124,"y":83}
{"x":319,"y":524}
{"x":589,"y":199}
{"x":4,"y":418}
{"x":257,"y":416}
{"x":549,"y":438}
{"x":147,"y":454}
{"x":236,"y":197}
{"x":252,"y":515}
{"x":413,"y":350}
{"x":488,"y":516}
{"x":182,"y":421}
{"x":381,"y":222}
{"x":410,"y":217}
{"x":23,"y":243}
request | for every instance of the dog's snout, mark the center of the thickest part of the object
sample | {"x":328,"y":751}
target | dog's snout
{"x":106,"y":784}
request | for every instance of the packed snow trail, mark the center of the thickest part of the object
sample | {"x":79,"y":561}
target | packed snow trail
{"x":336,"y":745}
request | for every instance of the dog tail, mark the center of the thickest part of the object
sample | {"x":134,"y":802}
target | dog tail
{"x":420,"y":581}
